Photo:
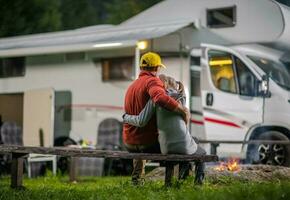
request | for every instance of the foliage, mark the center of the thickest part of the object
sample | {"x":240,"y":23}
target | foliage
{"x":78,"y":13}
{"x":29,"y":16}
{"x":120,"y":188}
{"x":119,"y":11}
{"x":19,"y":17}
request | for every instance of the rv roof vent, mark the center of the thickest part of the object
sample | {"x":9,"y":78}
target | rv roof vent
{"x":221,"y":17}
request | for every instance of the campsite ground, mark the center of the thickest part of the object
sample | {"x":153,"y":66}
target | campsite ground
{"x":58,"y":187}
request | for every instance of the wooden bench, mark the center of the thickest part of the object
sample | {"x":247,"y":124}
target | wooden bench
{"x":20,"y":152}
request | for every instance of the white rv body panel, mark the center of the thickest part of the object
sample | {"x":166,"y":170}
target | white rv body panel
{"x":277,"y":107}
{"x":283,"y":40}
{"x":244,"y":31}
{"x":230,"y":115}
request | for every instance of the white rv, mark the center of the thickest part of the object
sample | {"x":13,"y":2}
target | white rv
{"x":230,"y":54}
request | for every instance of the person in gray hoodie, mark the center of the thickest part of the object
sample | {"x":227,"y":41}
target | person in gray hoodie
{"x":174,"y":136}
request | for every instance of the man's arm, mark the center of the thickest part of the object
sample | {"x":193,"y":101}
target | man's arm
{"x":143,"y":118}
{"x":158,"y":95}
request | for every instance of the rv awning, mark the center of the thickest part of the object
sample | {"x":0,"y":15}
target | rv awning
{"x":85,"y":39}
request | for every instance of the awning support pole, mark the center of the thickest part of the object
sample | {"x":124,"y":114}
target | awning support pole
{"x":137,"y":58}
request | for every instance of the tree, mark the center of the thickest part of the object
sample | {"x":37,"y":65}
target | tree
{"x":20,"y":17}
{"x":78,"y":13}
{"x":118,"y":11}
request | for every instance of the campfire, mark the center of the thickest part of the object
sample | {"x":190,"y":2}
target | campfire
{"x":232,"y":165}
{"x":235,"y":170}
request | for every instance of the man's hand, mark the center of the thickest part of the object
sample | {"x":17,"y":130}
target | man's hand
{"x":184,"y":112}
{"x":187,"y":116}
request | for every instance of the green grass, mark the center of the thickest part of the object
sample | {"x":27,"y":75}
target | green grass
{"x":120,"y":188}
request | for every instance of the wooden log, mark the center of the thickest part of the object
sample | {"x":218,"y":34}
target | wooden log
{"x":169,"y":170}
{"x":17,"y":170}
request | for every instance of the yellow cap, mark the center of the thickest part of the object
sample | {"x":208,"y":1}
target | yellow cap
{"x":151,"y":59}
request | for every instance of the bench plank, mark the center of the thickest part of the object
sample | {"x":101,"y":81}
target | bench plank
{"x":76,"y":152}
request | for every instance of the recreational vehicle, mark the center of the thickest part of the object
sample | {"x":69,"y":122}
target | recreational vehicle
{"x":231,"y":55}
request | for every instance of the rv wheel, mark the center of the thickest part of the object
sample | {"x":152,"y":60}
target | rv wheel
{"x":270,"y":154}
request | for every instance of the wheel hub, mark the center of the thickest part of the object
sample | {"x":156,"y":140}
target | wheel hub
{"x":272,"y":154}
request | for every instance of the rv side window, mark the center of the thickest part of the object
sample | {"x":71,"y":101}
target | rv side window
{"x":12,"y":67}
{"x":248,"y":84}
{"x":195,"y":76}
{"x":221,"y":17}
{"x":195,"y":82}
{"x":117,"y":69}
{"x":222,"y":71}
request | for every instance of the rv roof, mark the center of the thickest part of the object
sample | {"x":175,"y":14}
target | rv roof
{"x":194,"y":9}
{"x":259,"y":50}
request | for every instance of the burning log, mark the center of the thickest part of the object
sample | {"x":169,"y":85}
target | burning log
{"x":231,"y":165}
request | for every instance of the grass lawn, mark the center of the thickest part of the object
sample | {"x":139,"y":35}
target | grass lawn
{"x":120,"y":188}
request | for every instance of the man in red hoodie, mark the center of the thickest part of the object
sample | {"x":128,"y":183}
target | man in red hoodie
{"x":147,"y":86}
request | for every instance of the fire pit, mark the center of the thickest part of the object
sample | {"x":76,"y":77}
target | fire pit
{"x":232,"y":170}
{"x":251,"y":173}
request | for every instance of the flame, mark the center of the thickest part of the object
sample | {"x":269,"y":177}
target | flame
{"x":232,"y":165}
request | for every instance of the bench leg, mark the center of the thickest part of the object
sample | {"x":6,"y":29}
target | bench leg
{"x":54,"y":165}
{"x":169,"y":169}
{"x":17,"y":170}
{"x":72,"y":169}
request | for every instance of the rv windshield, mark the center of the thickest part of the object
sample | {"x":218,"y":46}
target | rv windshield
{"x":277,"y":71}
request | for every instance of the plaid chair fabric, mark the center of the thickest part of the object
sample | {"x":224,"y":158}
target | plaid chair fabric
{"x":11,"y":134}
{"x":90,"y":166}
{"x":109,"y":135}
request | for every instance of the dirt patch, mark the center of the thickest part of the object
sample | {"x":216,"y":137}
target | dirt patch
{"x":247,"y":173}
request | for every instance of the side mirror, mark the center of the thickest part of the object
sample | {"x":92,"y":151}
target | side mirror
{"x":264,"y":86}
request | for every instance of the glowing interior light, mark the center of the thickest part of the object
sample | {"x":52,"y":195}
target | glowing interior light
{"x":107,"y":45}
{"x":264,"y":61}
{"x":220,"y":62}
{"x":142,"y":45}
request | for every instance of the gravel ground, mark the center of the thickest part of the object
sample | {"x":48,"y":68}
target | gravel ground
{"x":247,"y":173}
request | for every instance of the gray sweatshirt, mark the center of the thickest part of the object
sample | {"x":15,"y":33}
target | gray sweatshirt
{"x":174,"y":137}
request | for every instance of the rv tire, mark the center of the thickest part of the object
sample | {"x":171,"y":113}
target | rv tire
{"x":270,"y":154}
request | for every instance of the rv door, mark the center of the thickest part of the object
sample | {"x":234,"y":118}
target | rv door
{"x":38,"y":117}
{"x":229,"y":93}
